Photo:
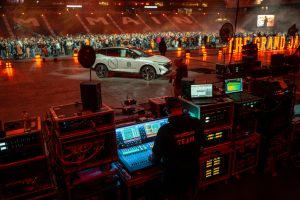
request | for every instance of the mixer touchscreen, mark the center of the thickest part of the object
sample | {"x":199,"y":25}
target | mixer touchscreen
{"x":130,"y":134}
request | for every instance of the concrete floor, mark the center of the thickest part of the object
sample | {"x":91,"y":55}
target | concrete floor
{"x":36,"y":86}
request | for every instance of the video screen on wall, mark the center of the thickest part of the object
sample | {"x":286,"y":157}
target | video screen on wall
{"x":265,"y":20}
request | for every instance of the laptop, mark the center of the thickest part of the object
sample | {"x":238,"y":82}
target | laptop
{"x":202,"y":94}
{"x":234,"y":90}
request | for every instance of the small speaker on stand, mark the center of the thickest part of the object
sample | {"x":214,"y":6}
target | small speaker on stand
{"x":90,"y":91}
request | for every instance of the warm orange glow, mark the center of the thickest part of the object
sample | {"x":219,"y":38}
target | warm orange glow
{"x":296,"y":41}
{"x":75,"y":54}
{"x":37,"y":56}
{"x":75,"y":59}
{"x":263,"y":42}
{"x":246,"y":39}
{"x":238,"y":44}
{"x":276,"y":43}
{"x":187,"y":60}
{"x":38,"y":63}
{"x":178,"y":49}
{"x":150,"y":51}
{"x":187,"y":55}
{"x":179,"y":53}
{"x":8,"y":65}
{"x":8,"y":70}
{"x":269,"y":45}
{"x":282,"y":43}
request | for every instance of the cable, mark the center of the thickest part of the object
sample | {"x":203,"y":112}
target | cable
{"x":81,"y":159}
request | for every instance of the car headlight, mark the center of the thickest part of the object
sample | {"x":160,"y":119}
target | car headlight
{"x":168,"y":65}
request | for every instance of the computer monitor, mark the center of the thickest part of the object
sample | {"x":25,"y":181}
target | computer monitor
{"x":131,"y":135}
{"x":201,"y":90}
{"x":233,"y":85}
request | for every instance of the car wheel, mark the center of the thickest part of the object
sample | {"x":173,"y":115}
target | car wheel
{"x":148,"y":73}
{"x":101,"y":70}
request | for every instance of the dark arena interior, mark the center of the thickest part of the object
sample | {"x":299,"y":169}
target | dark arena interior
{"x":84,"y":83}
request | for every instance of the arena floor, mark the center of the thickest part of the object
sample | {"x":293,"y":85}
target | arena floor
{"x":35,"y":86}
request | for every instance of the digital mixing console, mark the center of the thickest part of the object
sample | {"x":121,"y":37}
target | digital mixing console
{"x":135,"y":143}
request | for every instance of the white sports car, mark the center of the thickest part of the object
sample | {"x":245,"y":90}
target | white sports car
{"x":130,"y":60}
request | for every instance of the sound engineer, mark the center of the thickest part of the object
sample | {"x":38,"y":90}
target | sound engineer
{"x":177,"y":146}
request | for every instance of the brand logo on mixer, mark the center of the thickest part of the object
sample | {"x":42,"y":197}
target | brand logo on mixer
{"x":185,"y":138}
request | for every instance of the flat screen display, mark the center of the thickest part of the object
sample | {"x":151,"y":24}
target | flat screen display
{"x":201,"y":90}
{"x":233,"y":85}
{"x":139,"y":133}
{"x":265,"y":20}
{"x":151,"y":128}
{"x":130,"y":134}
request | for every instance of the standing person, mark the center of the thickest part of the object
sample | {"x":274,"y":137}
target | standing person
{"x":162,"y":47}
{"x":177,"y":146}
{"x":181,"y":71}
{"x":266,"y":22}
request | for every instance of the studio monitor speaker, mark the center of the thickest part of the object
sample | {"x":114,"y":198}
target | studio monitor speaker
{"x":91,"y":95}
{"x":186,"y":87}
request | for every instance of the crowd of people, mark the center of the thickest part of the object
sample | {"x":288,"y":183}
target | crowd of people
{"x":29,"y":47}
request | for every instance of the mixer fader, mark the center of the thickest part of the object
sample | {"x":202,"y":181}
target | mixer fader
{"x":135,"y":143}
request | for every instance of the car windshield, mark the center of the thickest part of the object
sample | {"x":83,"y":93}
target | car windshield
{"x":141,"y":53}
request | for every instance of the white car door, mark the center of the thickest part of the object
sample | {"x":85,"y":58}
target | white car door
{"x":126,"y":62}
{"x":113,"y":59}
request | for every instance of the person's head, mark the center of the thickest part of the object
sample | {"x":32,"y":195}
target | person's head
{"x":177,"y":62}
{"x":174,"y":106}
